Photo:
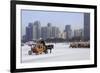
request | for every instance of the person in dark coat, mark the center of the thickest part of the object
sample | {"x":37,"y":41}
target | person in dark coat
{"x":43,"y":42}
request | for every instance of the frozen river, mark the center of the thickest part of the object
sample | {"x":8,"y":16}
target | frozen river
{"x":61,"y":52}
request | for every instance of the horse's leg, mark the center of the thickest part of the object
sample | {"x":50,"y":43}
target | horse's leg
{"x":50,"y":50}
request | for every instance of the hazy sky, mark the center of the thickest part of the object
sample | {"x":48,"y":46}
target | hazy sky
{"x":59,"y":19}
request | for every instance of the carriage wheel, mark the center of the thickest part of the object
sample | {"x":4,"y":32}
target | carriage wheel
{"x":30,"y":52}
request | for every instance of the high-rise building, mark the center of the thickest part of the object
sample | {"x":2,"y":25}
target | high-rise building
{"x":68,"y":32}
{"x":55,"y":32}
{"x":44,"y":33}
{"x":49,"y":31}
{"x":78,"y":33}
{"x":86,"y":26}
{"x":36,"y":30}
{"x":33,"y":31}
{"x":29,"y":31}
{"x":62,"y":35}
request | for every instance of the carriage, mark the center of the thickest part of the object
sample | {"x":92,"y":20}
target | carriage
{"x":40,"y":48}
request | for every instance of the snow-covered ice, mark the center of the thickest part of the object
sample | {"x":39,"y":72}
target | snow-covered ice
{"x":61,"y":52}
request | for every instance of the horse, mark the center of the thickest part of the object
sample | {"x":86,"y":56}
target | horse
{"x":50,"y":47}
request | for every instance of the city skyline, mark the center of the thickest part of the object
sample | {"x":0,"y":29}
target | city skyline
{"x":34,"y":31}
{"x":58,"y":19}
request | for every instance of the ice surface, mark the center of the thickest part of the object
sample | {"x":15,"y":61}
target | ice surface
{"x":61,"y":52}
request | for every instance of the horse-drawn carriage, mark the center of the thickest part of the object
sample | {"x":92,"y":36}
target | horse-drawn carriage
{"x":40,"y":48}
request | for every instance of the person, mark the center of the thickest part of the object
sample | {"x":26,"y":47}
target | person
{"x":43,"y":42}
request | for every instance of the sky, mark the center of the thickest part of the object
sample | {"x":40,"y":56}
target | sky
{"x":59,"y":19}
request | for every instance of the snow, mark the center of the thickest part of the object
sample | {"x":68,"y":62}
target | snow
{"x":61,"y":52}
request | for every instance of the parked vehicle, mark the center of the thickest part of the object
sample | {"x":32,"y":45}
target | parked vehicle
{"x":80,"y":45}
